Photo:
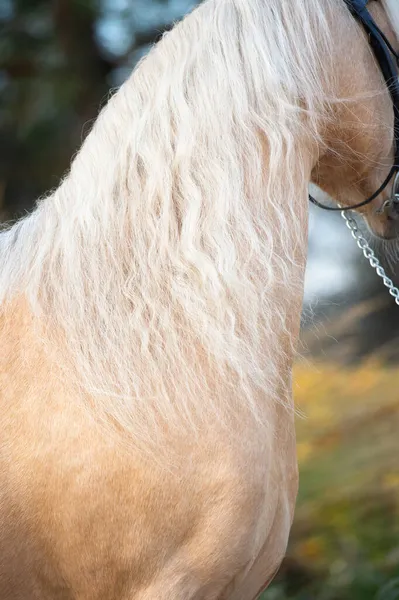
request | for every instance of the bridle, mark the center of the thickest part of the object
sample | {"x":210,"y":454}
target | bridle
{"x":386,"y":58}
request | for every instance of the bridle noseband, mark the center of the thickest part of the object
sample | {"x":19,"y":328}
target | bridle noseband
{"x":386,"y":58}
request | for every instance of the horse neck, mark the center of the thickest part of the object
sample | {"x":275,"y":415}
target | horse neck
{"x":172,"y":255}
{"x":195,"y":124}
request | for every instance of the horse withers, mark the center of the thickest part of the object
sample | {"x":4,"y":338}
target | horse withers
{"x":151,"y":305}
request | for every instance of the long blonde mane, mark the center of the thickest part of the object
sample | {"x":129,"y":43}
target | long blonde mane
{"x":160,"y":256}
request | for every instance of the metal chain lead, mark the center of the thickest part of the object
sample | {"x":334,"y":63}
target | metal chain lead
{"x":369,"y":254}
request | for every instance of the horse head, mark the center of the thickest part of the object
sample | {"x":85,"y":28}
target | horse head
{"x":359,"y":164}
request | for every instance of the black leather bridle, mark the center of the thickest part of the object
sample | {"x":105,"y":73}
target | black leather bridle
{"x":386,"y":58}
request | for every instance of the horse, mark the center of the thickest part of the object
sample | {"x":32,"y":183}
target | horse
{"x":150,"y":306}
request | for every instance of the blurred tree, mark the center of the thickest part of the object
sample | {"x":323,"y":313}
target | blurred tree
{"x":58,"y":61}
{"x":360,"y":322}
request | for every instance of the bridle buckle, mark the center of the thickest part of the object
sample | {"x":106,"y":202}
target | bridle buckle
{"x":393,"y":201}
{"x":395,"y":189}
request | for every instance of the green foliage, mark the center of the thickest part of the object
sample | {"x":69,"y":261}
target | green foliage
{"x":345,"y":538}
{"x":56,"y":70}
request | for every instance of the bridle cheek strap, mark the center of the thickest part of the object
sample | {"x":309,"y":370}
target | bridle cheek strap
{"x":386,"y":58}
{"x":382,"y":187}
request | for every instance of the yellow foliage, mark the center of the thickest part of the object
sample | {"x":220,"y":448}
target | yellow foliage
{"x":391,"y":480}
{"x":312,"y":548}
{"x":323,"y":392}
{"x":341,"y":407}
{"x":304,"y":450}
{"x":348,"y":449}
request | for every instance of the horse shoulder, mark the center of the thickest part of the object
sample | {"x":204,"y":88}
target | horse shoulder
{"x":86,"y":516}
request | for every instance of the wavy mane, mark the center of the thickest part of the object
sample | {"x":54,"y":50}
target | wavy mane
{"x":162,"y":253}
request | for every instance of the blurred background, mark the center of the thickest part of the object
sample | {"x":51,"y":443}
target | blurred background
{"x":59,"y":60}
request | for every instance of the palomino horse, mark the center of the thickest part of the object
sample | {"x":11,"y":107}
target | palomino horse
{"x":151,"y":304}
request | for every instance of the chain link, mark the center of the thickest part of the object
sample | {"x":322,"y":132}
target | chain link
{"x":369,"y":254}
